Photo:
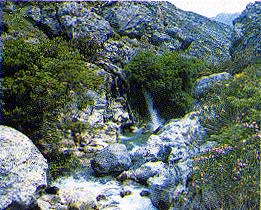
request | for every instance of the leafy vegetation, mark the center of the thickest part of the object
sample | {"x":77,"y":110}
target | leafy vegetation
{"x":38,"y":80}
{"x":168,"y":77}
{"x":228,"y":176}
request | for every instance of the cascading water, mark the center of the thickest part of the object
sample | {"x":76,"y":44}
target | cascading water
{"x":156,"y":122}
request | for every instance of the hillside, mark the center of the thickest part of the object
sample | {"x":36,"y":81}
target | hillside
{"x":132,"y":104}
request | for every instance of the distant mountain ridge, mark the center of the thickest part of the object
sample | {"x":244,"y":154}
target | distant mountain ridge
{"x":226,"y":18}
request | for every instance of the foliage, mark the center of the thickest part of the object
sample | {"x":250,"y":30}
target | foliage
{"x":229,"y":175}
{"x":88,"y":47}
{"x":37,"y":81}
{"x":16,"y":22}
{"x":168,"y":77}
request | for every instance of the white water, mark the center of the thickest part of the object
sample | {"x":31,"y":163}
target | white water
{"x":85,"y":184}
{"x":154,"y":116}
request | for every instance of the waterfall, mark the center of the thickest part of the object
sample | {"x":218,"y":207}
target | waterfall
{"x":156,"y":122}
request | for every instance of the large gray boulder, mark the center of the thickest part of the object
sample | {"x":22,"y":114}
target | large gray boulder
{"x":113,"y":159}
{"x":149,"y":169}
{"x":163,"y":187}
{"x":22,"y":168}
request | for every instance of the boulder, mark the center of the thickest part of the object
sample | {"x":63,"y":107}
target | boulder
{"x":70,"y":197}
{"x":163,"y":186}
{"x":22,"y":168}
{"x":113,"y":159}
{"x":181,"y":139}
{"x":149,"y":169}
{"x":206,"y":83}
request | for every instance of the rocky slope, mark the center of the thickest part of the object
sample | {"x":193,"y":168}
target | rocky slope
{"x":247,"y":27}
{"x":123,"y":26}
{"x":226,"y":18}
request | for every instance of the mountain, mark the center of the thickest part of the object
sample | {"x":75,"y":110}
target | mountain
{"x":226,"y":18}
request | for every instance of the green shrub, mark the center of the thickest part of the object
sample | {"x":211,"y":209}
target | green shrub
{"x":230,"y":172}
{"x":36,"y":85}
{"x":88,"y":47}
{"x":168,"y":77}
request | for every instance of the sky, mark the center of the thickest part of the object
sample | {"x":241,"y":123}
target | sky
{"x":211,"y":8}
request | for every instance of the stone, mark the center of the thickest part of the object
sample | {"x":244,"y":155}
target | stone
{"x":162,"y":188}
{"x":182,"y":138}
{"x":22,"y":168}
{"x":206,"y":84}
{"x":111,"y":25}
{"x":113,"y":159}
{"x":144,"y":193}
{"x":149,"y":169}
{"x":247,"y":27}
{"x":125,"y":193}
{"x":100,"y":197}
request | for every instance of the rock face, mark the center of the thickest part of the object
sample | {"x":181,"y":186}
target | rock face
{"x":22,"y":168}
{"x":161,"y":23}
{"x":73,"y":19}
{"x":113,"y":159}
{"x":155,"y":25}
{"x":248,"y":28}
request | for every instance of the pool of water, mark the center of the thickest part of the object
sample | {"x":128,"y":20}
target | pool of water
{"x":138,"y":138}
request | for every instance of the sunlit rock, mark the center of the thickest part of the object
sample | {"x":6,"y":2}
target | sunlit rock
{"x":22,"y":168}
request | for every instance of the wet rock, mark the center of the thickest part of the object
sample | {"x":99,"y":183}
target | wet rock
{"x":74,"y":197}
{"x":122,"y":177}
{"x":113,"y":159}
{"x":181,"y":139}
{"x":100,"y":197}
{"x":144,"y":193}
{"x":22,"y":168}
{"x":125,"y":193}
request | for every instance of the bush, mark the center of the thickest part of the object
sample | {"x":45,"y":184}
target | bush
{"x":230,"y":172}
{"x":168,"y":77}
{"x":88,"y":47}
{"x":37,"y":80}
